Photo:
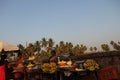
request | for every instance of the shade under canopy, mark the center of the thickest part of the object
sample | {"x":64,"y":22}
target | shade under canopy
{"x":8,"y":47}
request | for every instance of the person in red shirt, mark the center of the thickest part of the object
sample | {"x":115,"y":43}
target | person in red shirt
{"x":3,"y":67}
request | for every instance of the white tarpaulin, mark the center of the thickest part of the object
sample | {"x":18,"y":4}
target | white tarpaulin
{"x":8,"y":46}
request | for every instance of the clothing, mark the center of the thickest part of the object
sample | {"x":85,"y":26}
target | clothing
{"x":2,"y":72}
{"x":53,"y":59}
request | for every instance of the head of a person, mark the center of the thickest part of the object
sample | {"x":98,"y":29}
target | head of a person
{"x":53,"y":53}
{"x":3,"y":56}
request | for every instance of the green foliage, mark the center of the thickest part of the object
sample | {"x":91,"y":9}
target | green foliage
{"x":105,"y":47}
{"x":61,"y":48}
{"x":115,"y":45}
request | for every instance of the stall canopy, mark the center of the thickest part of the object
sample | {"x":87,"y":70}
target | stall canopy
{"x":8,"y":47}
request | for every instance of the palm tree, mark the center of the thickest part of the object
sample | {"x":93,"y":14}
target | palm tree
{"x":22,"y":50}
{"x":62,"y":47}
{"x":70,"y":46}
{"x":91,"y":49}
{"x":30,"y":49}
{"x":66,"y":47}
{"x":118,"y":42}
{"x":115,"y":45}
{"x":44,"y":42}
{"x":21,"y":47}
{"x":105,"y":47}
{"x":37,"y":47}
{"x":57,"y":49}
{"x":112,"y":42}
{"x":76,"y":50}
{"x":82,"y":49}
{"x":95,"y":48}
{"x":50,"y":43}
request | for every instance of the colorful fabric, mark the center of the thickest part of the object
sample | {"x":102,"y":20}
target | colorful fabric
{"x":2,"y":72}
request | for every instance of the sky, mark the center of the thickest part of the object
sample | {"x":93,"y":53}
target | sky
{"x":88,"y":22}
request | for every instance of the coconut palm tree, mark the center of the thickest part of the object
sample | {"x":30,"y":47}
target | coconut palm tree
{"x":95,"y":48}
{"x":37,"y":46}
{"x":91,"y":49}
{"x":118,"y":42}
{"x":105,"y":47}
{"x":21,"y":47}
{"x":66,"y":47}
{"x":30,"y":50}
{"x":57,"y":49}
{"x":112,"y":42}
{"x":115,"y":45}
{"x":22,"y":50}
{"x":50,"y":43}
{"x":76,"y":49}
{"x":83,"y":48}
{"x":70,"y":46}
{"x":62,"y":47}
{"x":44,"y":42}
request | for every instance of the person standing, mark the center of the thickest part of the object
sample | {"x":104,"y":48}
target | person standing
{"x":53,"y":57}
{"x":3,"y":67}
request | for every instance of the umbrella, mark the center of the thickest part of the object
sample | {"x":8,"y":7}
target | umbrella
{"x":8,"y":47}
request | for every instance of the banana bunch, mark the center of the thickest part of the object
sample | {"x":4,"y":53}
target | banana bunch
{"x":91,"y":65}
{"x":62,"y":63}
{"x":49,"y":67}
{"x":53,"y":67}
{"x":30,"y":65}
{"x":45,"y":67}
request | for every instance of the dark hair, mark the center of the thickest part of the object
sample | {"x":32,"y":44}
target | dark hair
{"x":53,"y":53}
{"x":3,"y":56}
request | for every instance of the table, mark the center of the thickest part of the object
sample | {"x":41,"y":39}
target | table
{"x":58,"y":75}
{"x":74,"y":73}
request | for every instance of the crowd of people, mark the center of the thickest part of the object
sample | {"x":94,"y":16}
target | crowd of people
{"x":7,"y":70}
{"x":10,"y":72}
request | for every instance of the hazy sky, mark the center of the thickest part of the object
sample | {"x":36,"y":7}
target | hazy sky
{"x":88,"y":22}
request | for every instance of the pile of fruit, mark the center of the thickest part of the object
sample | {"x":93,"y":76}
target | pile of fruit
{"x":49,"y":67}
{"x":62,"y":63}
{"x":29,"y":66}
{"x":91,"y":65}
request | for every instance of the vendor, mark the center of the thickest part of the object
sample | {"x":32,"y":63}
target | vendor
{"x":3,"y":67}
{"x":53,"y":57}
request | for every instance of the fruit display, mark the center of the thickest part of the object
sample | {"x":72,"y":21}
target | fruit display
{"x":62,"y":63}
{"x":49,"y":67}
{"x":69,"y":63}
{"x":91,"y":65}
{"x":30,"y":65}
